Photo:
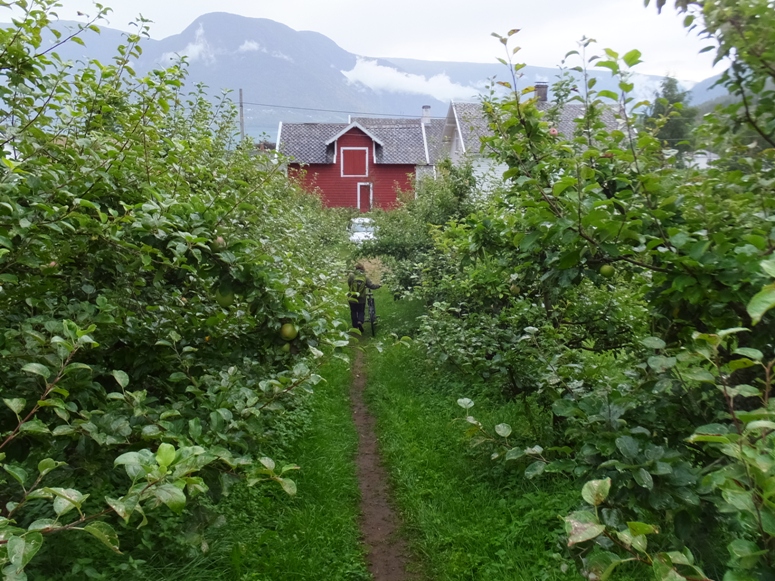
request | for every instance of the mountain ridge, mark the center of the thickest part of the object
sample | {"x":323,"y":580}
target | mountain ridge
{"x":304,"y":76}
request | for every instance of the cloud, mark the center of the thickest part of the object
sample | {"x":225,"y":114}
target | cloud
{"x":279,"y":55}
{"x":250,"y":46}
{"x":381,"y":78}
{"x":200,"y":49}
{"x":253,"y":46}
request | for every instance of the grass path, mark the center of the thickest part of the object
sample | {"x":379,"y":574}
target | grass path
{"x":467,"y":517}
{"x":464,"y":517}
{"x":314,"y":535}
{"x":387,"y":553}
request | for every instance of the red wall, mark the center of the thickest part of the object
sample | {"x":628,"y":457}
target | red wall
{"x":338,"y":191}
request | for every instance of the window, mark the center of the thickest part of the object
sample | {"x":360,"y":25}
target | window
{"x":355,"y":162}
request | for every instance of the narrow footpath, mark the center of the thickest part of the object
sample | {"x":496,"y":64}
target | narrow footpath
{"x":387,"y":552}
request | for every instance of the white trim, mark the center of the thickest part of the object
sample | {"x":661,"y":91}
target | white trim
{"x":341,"y":165}
{"x":457,"y":126}
{"x":425,"y":143}
{"x":279,"y":134}
{"x":354,"y":126}
{"x":358,"y":194}
{"x":336,"y":150}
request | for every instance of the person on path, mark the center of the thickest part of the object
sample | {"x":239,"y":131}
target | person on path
{"x":357,"y":283}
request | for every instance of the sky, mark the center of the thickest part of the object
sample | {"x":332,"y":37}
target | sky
{"x":450,"y":30}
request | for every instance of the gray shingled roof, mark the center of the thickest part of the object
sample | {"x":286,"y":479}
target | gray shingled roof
{"x":402,"y":140}
{"x":306,"y":142}
{"x":473,"y":125}
{"x":434,"y":134}
{"x":572,"y":111}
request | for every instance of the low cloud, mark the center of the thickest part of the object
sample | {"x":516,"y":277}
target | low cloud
{"x":253,"y":46}
{"x":381,"y":78}
{"x":279,"y":55}
{"x":250,"y":46}
{"x":199,"y":50}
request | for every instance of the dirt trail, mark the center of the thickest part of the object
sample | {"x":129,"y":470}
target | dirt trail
{"x":388,"y":555}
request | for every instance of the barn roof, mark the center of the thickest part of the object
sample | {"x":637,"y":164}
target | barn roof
{"x":406,"y":140}
{"x":350,"y":127}
{"x":434,"y":137}
{"x":399,"y":140}
{"x":306,"y":142}
{"x":472,"y":125}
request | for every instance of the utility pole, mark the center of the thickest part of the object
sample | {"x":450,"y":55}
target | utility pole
{"x":241,"y":117}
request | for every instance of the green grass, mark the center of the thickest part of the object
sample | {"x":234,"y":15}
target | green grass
{"x":314,"y":535}
{"x":466,"y":517}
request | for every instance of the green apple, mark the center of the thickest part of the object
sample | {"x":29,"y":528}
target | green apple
{"x":288,"y":332}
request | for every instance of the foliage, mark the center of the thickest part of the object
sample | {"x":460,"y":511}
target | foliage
{"x":670,"y":117}
{"x":147,"y":263}
{"x":737,"y":32}
{"x":619,"y":542}
{"x":404,"y":235}
{"x":746,"y":451}
{"x":617,"y":295}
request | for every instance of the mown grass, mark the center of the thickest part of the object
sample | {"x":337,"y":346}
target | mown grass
{"x":313,"y":535}
{"x":466,"y":516}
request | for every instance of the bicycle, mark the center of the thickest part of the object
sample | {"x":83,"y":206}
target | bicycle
{"x":372,"y":312}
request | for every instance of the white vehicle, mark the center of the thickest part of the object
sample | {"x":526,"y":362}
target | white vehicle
{"x":361,"y":229}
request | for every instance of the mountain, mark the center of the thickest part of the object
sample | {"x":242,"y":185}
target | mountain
{"x":705,"y":91}
{"x":302,"y":76}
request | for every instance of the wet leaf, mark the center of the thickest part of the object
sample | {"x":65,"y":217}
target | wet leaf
{"x":503,"y":430}
{"x":660,"y":363}
{"x":121,"y":377}
{"x":628,"y":446}
{"x":165,"y":455}
{"x":535,"y":469}
{"x":465,"y":403}
{"x":16,"y":404}
{"x":653,"y":343}
{"x":582,"y":526}
{"x":289,"y":486}
{"x":761,"y":302}
{"x":105,"y":533}
{"x":172,"y":496}
{"x":596,"y":491}
{"x":37,"y":369}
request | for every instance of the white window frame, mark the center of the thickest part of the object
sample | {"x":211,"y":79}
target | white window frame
{"x":341,"y":166}
{"x":358,"y":194}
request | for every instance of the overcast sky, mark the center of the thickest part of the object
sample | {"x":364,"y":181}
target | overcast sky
{"x":450,"y":30}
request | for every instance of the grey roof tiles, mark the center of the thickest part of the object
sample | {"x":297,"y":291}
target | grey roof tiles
{"x":401,"y":141}
{"x":306,"y":142}
{"x":473,"y":125}
{"x":408,"y":140}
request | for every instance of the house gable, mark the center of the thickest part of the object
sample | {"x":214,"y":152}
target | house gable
{"x":354,"y":139}
{"x":359,"y":128}
{"x":343,"y":160}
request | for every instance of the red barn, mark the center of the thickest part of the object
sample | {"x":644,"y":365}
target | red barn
{"x":361,"y":164}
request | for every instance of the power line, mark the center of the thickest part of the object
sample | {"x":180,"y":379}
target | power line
{"x":330,"y":110}
{"x":358,"y":113}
